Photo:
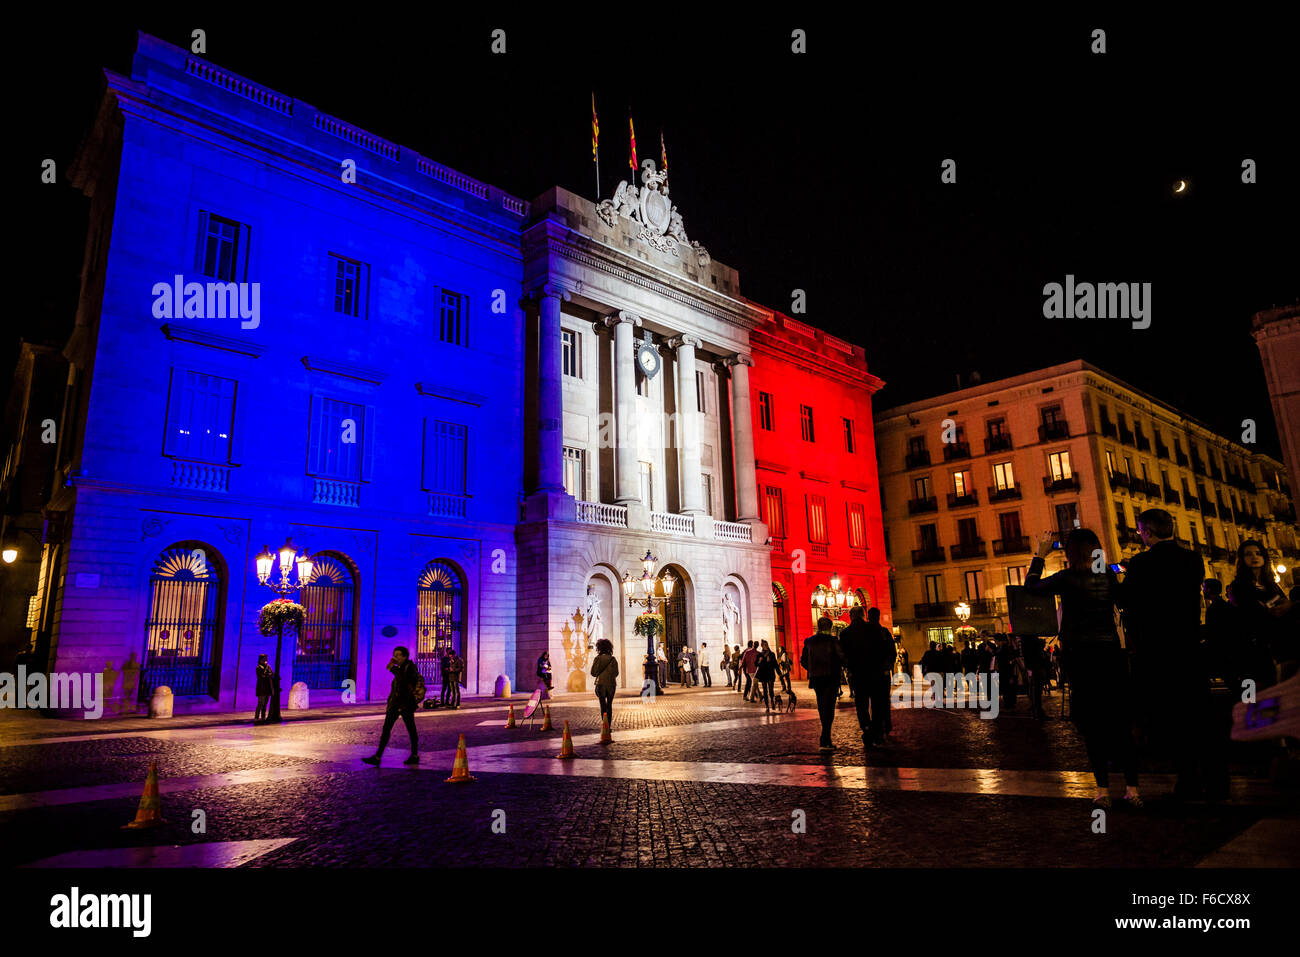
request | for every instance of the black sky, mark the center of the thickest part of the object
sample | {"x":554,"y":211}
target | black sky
{"x":820,"y":172}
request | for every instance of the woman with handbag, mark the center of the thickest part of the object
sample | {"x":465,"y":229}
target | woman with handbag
{"x":605,"y":670}
{"x":1092,"y":655}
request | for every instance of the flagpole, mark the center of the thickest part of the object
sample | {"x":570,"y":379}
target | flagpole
{"x":595,"y":142}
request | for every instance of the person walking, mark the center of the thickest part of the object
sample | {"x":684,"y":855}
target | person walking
{"x":1161,"y":598}
{"x":855,"y":641}
{"x":765,"y":674}
{"x":822,"y":660}
{"x":737,"y":665}
{"x":783,"y":665}
{"x":750,"y":662}
{"x":695,"y":666}
{"x":444,"y":671}
{"x":882,"y":655}
{"x":456,"y":668}
{"x":1091,"y":651}
{"x":406,"y":692}
{"x":605,"y":670}
{"x":265,"y":687}
{"x":704,"y":664}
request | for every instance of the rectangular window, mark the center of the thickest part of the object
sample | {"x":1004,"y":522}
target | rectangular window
{"x":200,"y":417}
{"x":921,"y":487}
{"x":1059,"y":464}
{"x":444,"y":457}
{"x":996,"y":428}
{"x":351,"y":286}
{"x":223,"y":248}
{"x":817,"y":519}
{"x":647,"y":485}
{"x":806,"y":423}
{"x":575,"y":473}
{"x":701,"y":397}
{"x":774,"y":510}
{"x":1110,"y":463}
{"x":335,"y":441}
{"x":966,"y":531}
{"x":453,"y":322}
{"x":961,"y":483}
{"x":975,"y":585}
{"x":850,"y":442}
{"x":569,"y":351}
{"x":1120,"y":518}
{"x":706,"y":486}
{"x":1051,"y":415}
{"x":1016,"y":575}
{"x":933,"y":589}
{"x":765,"y":412}
{"x":940,"y":635}
{"x":915,"y":444}
{"x":1067,"y":517}
{"x":1003,"y":477}
{"x":1009,"y":525}
{"x":929,"y":537}
{"x":857,"y":525}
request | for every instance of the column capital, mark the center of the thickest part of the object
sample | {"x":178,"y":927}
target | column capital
{"x":617,"y":318}
{"x":676,"y":342}
{"x":550,"y":290}
{"x":739,"y":359}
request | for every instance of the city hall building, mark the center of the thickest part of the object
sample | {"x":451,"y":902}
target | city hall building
{"x":477,"y":414}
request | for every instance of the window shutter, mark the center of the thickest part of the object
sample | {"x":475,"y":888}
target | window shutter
{"x":368,"y":445}
{"x":313,"y":435}
{"x":436,"y":310}
{"x":245,"y":237}
{"x":201,"y":245}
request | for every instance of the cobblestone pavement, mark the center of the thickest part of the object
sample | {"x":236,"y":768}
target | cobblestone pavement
{"x":696,"y":779}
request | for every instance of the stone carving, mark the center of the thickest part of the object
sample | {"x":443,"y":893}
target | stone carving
{"x":730,"y":620}
{"x":362,"y":542}
{"x":233,"y":533}
{"x":152,"y":527}
{"x":592,"y":622}
{"x":661,"y":224}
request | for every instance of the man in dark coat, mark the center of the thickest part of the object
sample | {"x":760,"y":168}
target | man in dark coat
{"x":406,"y":692}
{"x":1161,"y":599}
{"x":822,"y":660}
{"x":855,"y":642}
{"x":445,"y":666}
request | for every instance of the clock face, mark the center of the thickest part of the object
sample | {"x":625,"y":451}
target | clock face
{"x":648,"y":359}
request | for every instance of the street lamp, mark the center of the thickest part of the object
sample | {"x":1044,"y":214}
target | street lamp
{"x":641,"y":591}
{"x":289,"y":556}
{"x":833,"y":601}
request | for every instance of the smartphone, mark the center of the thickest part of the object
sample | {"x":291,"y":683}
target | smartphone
{"x":1117,"y":568}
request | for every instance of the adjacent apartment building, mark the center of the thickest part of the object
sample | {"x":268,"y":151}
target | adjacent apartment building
{"x":970,"y":480}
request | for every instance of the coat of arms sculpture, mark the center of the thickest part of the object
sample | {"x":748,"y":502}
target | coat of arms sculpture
{"x":650,"y":207}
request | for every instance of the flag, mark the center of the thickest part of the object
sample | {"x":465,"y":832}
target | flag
{"x":663,"y":153}
{"x":632,"y":132}
{"x":595,"y":127}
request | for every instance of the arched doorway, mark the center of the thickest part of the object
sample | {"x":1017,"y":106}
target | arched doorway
{"x":778,"y":617}
{"x":182,"y":631}
{"x":325,"y":653}
{"x":439,"y":621}
{"x":675,"y":625}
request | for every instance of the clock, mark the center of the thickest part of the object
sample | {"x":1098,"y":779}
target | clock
{"x":647,"y":358}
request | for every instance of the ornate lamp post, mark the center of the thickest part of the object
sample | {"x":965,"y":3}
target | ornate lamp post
{"x":289,"y":556}
{"x":641,"y":591}
{"x":963,"y":615}
{"x":833,"y":601}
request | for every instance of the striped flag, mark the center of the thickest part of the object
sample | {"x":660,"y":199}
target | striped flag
{"x":632,"y":132}
{"x":663,"y":153}
{"x":595,"y":128}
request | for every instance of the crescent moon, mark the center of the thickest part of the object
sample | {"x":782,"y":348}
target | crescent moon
{"x":1180,"y":186}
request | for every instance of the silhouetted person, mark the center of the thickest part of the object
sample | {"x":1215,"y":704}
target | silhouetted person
{"x":265,"y":686}
{"x":406,"y":691}
{"x":605,"y":670}
{"x":821,"y":660}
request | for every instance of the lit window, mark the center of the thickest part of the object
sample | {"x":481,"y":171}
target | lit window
{"x":569,"y":344}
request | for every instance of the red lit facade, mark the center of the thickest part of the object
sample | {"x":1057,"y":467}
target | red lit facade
{"x":814,"y":447}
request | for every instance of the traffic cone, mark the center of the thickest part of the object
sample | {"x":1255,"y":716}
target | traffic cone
{"x":566,"y":746}
{"x":149,"y":814}
{"x":460,"y":770}
{"x":546,"y":718}
{"x":510,"y":721}
{"x":604,"y":731}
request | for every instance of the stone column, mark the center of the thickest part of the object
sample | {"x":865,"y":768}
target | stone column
{"x":550,"y":405}
{"x":688,"y":428}
{"x":742,"y":425}
{"x":626,"y":477}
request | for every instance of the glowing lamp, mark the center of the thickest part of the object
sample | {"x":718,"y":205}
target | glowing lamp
{"x":10,"y":555}
{"x":287,"y":551}
{"x":835,"y":582}
{"x":648,"y":563}
{"x":669,"y":582}
{"x":264,"y":561}
{"x":629,"y":585}
{"x":1281,"y":569}
{"x":305,"y":566}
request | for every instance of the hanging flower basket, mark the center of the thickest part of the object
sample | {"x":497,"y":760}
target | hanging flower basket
{"x":280,"y":611}
{"x":647,"y":626}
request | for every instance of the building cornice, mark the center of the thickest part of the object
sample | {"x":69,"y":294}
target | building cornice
{"x":346,"y":370}
{"x":211,"y":340}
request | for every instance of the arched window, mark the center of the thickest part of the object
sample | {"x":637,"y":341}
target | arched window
{"x":181,"y":633}
{"x":778,"y":615}
{"x":439,"y":625}
{"x":324,"y":656}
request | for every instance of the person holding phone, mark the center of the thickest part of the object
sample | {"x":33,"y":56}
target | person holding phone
{"x":1263,"y":612}
{"x":1092,"y":656}
{"x":406,"y":692}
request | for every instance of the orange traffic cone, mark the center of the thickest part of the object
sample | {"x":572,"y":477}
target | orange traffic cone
{"x":604,"y":731}
{"x":149,"y":814}
{"x":460,"y":770}
{"x":566,"y":746}
{"x":546,"y":718}
{"x":510,"y":721}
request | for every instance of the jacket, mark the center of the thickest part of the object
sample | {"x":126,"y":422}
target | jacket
{"x":750,"y":660}
{"x":408,"y":687}
{"x":766,"y":670}
{"x":605,"y":670}
{"x":855,"y":641}
{"x":1088,"y":603}
{"x":1161,"y":598}
{"x":821,"y":656}
{"x":265,"y":681}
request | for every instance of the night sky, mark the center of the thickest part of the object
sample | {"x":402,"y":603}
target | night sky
{"x":821,"y":172}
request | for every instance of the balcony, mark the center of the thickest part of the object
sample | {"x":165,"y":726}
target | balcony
{"x":1126,"y":436}
{"x":1171,"y":496}
{"x":1179,"y":457}
{"x":916,"y":460}
{"x":1162,"y":451}
{"x":975,"y":549}
{"x":916,"y":506}
{"x":1197,"y":465}
{"x":963,"y":501}
{"x":1207,"y":508}
{"x":1051,"y":431}
{"x":1069,"y":484}
{"x":1118,"y":480}
{"x":1108,"y":430}
{"x":1217,"y":553}
{"x":201,"y":476}
{"x":928,"y":556}
{"x":599,"y":513}
{"x":956,"y":450}
{"x":1126,"y":535}
{"x":328,"y":492}
{"x":987,"y":606}
{"x":1142,"y":442}
{"x":935,"y":609}
{"x":1215,"y":473}
{"x":1192,"y":502}
{"x":1011,"y":546}
{"x":820,"y":549}
{"x":672,"y":523}
{"x":450,"y":505}
{"x":732,"y":532}
{"x":998,"y":443}
{"x":1003,"y":494}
